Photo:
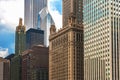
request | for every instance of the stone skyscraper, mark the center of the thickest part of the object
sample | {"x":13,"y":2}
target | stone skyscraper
{"x":31,"y":10}
{"x":101,"y":39}
{"x":19,"y":48}
{"x":70,"y":6}
{"x":20,"y":38}
{"x":66,"y":45}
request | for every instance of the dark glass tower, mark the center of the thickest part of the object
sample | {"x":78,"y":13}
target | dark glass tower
{"x":34,"y":37}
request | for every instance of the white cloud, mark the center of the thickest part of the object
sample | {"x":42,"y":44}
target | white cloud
{"x":55,"y":13}
{"x":10,"y":12}
{"x":3,"y":52}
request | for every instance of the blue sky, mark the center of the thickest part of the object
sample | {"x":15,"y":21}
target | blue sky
{"x":10,"y":12}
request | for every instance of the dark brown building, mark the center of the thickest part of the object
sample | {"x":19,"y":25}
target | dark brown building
{"x":4,"y":69}
{"x":35,"y":63}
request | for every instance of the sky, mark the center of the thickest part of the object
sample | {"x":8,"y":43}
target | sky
{"x":10,"y":12}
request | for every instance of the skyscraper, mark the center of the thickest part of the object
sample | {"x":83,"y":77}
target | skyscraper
{"x":34,"y":37}
{"x":70,"y":6}
{"x":19,"y":48}
{"x":66,"y":45}
{"x":31,"y":9}
{"x":45,"y":20}
{"x":101,"y":39}
{"x":20,"y":38}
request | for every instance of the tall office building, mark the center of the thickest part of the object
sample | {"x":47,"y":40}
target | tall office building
{"x":4,"y":69}
{"x":66,"y":45}
{"x":101,"y":39}
{"x":34,"y":37}
{"x":45,"y":20}
{"x":70,"y":6}
{"x":20,"y":38}
{"x":19,"y":48}
{"x":31,"y":10}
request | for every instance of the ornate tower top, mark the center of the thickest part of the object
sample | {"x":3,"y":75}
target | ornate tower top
{"x":20,"y":26}
{"x":52,"y":29}
{"x":20,"y":22}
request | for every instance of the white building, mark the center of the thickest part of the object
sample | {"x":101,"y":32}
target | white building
{"x":45,"y":20}
{"x":31,"y":10}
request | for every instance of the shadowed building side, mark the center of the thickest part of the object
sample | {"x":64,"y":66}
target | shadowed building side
{"x":35,"y":63}
{"x":34,"y":37}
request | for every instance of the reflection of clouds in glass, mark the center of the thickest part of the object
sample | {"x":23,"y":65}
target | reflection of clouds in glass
{"x":45,"y":20}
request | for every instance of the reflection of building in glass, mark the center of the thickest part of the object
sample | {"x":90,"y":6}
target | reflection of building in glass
{"x":35,"y":63}
{"x":44,"y":22}
{"x":34,"y":37}
{"x":31,"y":9}
{"x":101,"y":39}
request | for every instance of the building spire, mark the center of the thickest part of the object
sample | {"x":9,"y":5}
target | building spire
{"x":20,"y":22}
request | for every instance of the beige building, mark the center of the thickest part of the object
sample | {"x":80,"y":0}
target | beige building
{"x":101,"y":39}
{"x":66,"y":45}
{"x":4,"y":69}
{"x":72,"y":6}
{"x":66,"y":52}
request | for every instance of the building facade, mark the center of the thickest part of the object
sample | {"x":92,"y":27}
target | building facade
{"x":35,"y":63}
{"x":34,"y":37}
{"x":101,"y":39}
{"x":19,"y":48}
{"x":20,"y":38}
{"x":31,"y":10}
{"x":4,"y":69}
{"x":66,"y":52}
{"x":66,"y":45}
{"x":45,"y":20}
{"x":70,"y":6}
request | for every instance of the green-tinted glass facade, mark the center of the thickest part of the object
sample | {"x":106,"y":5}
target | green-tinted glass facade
{"x":19,"y":48}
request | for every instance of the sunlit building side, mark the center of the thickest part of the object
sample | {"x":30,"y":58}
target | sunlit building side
{"x":45,"y":20}
{"x":31,"y":10}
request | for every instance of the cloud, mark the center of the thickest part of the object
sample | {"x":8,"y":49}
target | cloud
{"x":10,"y":11}
{"x":3,"y":52}
{"x":55,"y":11}
{"x":7,"y":37}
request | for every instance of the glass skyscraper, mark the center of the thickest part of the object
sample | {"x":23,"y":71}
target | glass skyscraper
{"x":101,"y":39}
{"x":34,"y":37}
{"x":31,"y":10}
{"x":45,"y":20}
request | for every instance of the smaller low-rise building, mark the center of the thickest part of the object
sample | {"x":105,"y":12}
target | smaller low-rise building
{"x":35,"y":63}
{"x":4,"y":69}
